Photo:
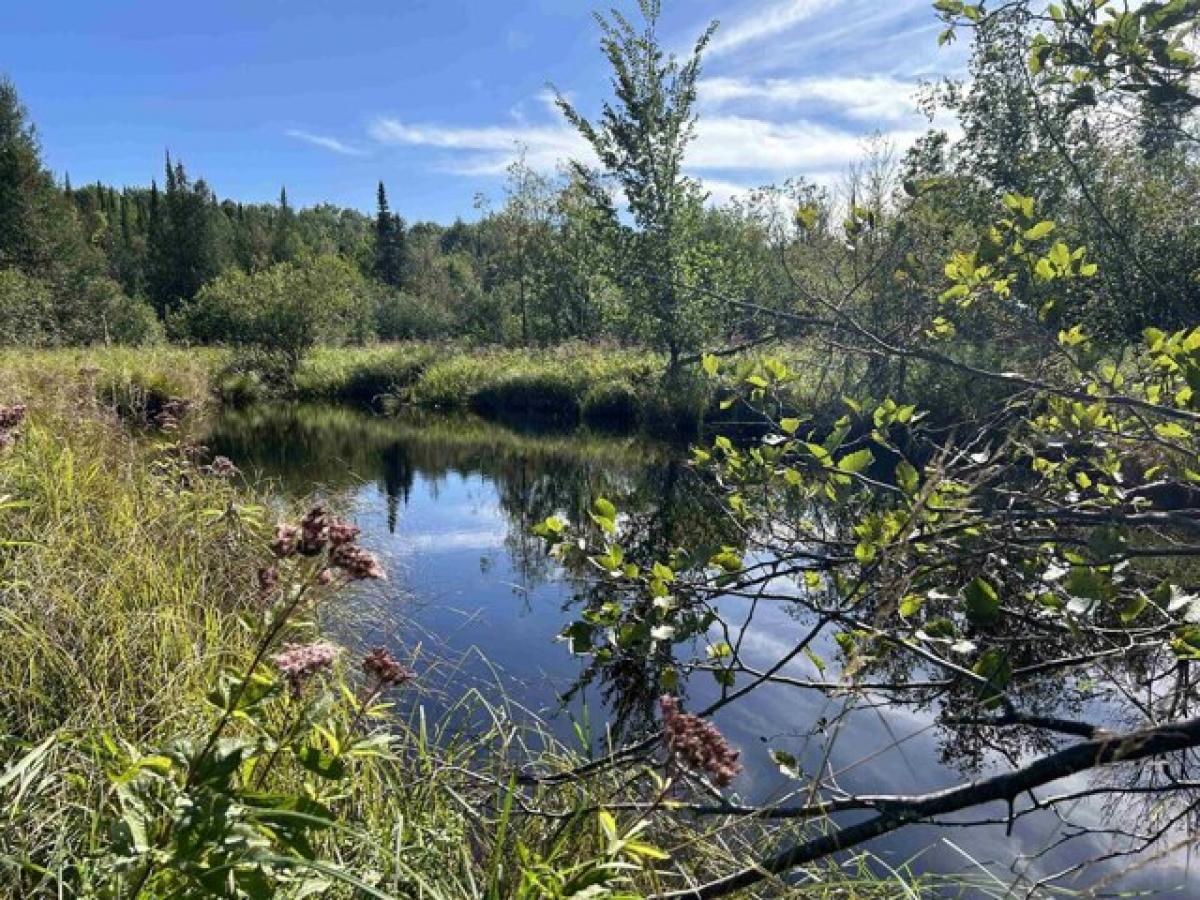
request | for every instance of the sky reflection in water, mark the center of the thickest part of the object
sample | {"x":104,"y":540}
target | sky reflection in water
{"x":449,"y":504}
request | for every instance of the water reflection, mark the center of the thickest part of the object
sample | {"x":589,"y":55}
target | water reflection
{"x":450,"y":504}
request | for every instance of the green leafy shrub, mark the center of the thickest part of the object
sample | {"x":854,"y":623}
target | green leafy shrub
{"x":284,"y":310}
{"x":26,"y":310}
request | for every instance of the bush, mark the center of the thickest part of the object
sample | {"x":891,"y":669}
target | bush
{"x":90,"y":310}
{"x":26,"y":310}
{"x":96,"y":310}
{"x":284,"y":310}
{"x":404,"y":317}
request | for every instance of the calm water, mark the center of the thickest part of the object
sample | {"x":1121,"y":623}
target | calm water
{"x":449,"y":504}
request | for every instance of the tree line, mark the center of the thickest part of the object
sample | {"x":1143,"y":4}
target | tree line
{"x":632,"y":250}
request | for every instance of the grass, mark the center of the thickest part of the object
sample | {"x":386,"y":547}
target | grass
{"x":568,"y":384}
{"x":127,"y":585}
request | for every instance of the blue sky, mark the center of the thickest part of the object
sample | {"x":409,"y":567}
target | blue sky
{"x":433,"y":95}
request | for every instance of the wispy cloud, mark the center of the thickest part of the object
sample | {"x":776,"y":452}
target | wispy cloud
{"x":325,"y":142}
{"x":871,"y":98}
{"x":486,"y":149}
{"x":765,"y":23}
{"x":799,"y":147}
{"x":723,"y":144}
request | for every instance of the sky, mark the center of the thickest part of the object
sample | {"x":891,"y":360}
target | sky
{"x":435,"y":96}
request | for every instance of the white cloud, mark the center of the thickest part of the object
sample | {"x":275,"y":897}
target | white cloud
{"x":796,"y":147}
{"x":765,"y":23}
{"x":487,"y":149}
{"x":723,"y":144}
{"x":327,"y":143}
{"x":872,"y":98}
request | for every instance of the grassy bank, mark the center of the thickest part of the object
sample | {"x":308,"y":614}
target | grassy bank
{"x":616,"y":388}
{"x":608,"y":388}
{"x":568,"y":384}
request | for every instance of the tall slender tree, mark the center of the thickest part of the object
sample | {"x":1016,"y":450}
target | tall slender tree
{"x":641,"y":138}
{"x":389,"y":243}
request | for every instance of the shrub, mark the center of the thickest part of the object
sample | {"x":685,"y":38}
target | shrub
{"x":26,"y":313}
{"x":89,"y":310}
{"x":284,"y":310}
{"x":97,"y":310}
{"x":404,"y":317}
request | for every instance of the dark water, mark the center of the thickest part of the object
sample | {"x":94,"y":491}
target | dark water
{"x":449,"y":504}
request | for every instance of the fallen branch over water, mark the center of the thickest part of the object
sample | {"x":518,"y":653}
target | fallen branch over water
{"x":899,"y":810}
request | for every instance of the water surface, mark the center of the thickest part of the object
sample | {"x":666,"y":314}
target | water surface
{"x":449,"y":504}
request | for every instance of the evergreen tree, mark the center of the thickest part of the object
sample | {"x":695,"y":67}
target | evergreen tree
{"x":389,"y":243}
{"x":186,"y":242}
{"x":285,"y":242}
{"x":24,"y":185}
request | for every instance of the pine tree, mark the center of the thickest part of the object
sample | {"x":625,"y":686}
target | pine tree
{"x":285,"y":243}
{"x":389,"y":243}
{"x":23,"y":184}
{"x":186,"y":246}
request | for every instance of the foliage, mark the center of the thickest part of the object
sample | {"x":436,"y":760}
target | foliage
{"x":641,"y":139}
{"x":286,"y":309}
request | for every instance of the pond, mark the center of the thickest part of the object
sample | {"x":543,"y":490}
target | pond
{"x":449,"y":504}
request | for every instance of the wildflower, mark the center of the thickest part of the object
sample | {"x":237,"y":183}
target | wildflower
{"x":325,"y":577}
{"x":300,"y":662}
{"x":12,"y":416}
{"x":314,"y":531}
{"x":221,"y":467}
{"x":287,"y":540}
{"x":357,"y":563}
{"x":342,"y":532}
{"x":698,"y":744}
{"x":172,"y":410}
{"x":385,"y":670}
{"x":268,"y":578}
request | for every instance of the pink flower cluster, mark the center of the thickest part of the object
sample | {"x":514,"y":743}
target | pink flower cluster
{"x":169,"y":414}
{"x":385,"y":670}
{"x":300,"y":662}
{"x":221,"y":467}
{"x":10,"y":418}
{"x":319,"y":532}
{"x":698,"y":744}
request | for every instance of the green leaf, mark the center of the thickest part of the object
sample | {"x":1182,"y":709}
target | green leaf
{"x":1133,"y":607}
{"x":856,"y":462}
{"x":710,"y":364}
{"x":982,"y":603}
{"x":321,"y":763}
{"x":728,"y":560}
{"x":604,"y":508}
{"x":994,"y":665}
{"x":907,"y":477}
{"x":1172,"y":431}
{"x":1039,"y":231}
{"x":1088,"y":585}
{"x":720,"y":650}
{"x":788,"y":764}
{"x":790,"y":426}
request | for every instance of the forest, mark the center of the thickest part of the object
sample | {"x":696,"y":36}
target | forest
{"x":918,"y":447}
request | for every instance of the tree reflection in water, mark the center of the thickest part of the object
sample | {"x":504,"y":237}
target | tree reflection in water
{"x":665,"y":505}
